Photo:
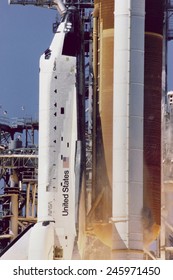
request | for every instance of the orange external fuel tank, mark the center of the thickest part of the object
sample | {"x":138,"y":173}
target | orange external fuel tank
{"x":103,"y":72}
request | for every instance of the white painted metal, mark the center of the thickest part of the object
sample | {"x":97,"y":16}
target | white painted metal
{"x":57,"y":153}
{"x":19,"y":250}
{"x":41,"y":242}
{"x":128,"y":128}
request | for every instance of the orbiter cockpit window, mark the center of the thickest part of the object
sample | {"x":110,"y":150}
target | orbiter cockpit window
{"x":47,"y":53}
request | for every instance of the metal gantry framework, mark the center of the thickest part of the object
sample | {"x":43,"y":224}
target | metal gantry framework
{"x":166,"y":242}
{"x":167,"y":184}
{"x":18,"y":176}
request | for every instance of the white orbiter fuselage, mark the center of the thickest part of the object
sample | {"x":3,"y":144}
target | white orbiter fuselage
{"x":59,"y":149}
{"x":58,"y":143}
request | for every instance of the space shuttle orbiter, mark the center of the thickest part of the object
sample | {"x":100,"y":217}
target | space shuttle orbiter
{"x":53,"y":236}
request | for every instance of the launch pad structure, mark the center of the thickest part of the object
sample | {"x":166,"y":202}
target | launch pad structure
{"x":19,"y":151}
{"x":166,"y":245}
{"x":18,"y":165}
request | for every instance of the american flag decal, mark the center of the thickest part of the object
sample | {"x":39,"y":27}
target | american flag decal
{"x":65,"y":162}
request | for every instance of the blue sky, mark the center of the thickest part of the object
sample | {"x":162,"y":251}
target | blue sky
{"x":25,"y":32}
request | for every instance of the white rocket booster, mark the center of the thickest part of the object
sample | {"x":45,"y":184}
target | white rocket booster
{"x":128,"y":128}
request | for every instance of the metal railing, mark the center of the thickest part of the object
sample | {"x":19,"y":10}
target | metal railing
{"x":4,"y":120}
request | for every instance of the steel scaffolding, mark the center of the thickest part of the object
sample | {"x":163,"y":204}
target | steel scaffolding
{"x":166,"y":242}
{"x":18,"y":177}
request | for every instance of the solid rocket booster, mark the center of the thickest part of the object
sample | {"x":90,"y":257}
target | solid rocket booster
{"x":128,"y":128}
